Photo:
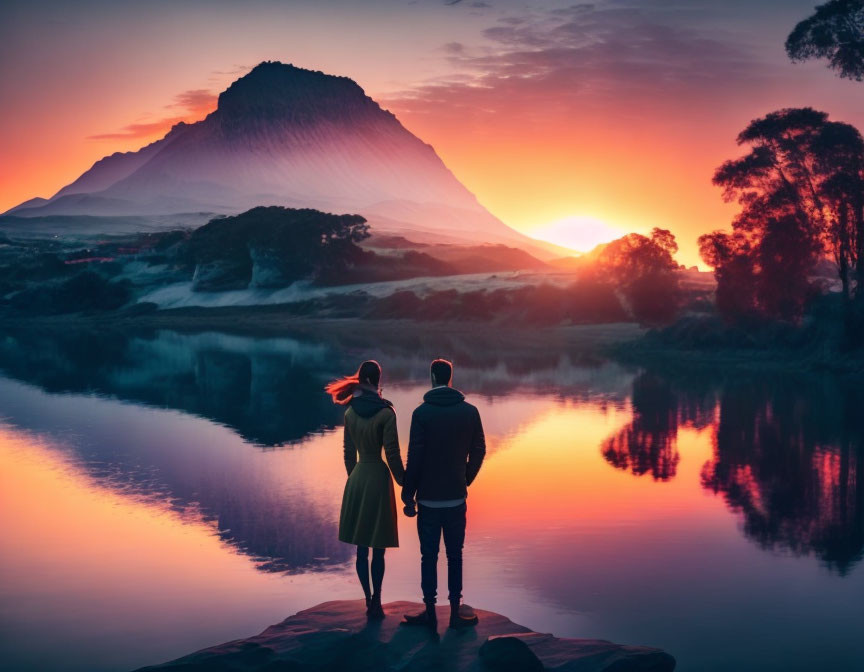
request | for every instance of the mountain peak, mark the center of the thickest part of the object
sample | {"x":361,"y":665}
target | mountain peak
{"x":283,"y":135}
{"x":274,"y":90}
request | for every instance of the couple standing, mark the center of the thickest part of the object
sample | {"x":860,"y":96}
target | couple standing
{"x":445,"y":450}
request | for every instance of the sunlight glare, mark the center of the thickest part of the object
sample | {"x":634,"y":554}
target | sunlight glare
{"x":579,"y":232}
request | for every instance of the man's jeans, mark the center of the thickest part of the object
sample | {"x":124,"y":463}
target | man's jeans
{"x":431,"y":523}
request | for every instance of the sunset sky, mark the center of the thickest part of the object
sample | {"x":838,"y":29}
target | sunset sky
{"x":609,"y":116}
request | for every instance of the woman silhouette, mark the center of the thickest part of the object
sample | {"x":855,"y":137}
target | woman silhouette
{"x":368,"y":518}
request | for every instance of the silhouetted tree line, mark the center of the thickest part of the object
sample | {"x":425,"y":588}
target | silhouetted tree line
{"x":801,"y":191}
{"x":801,"y":188}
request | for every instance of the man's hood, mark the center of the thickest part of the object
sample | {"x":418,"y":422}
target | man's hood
{"x":443,"y":396}
{"x":366,"y":404}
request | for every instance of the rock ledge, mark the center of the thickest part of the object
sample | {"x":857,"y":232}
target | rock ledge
{"x":335,"y":636}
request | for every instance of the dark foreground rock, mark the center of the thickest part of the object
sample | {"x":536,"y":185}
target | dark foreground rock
{"x":335,"y":636}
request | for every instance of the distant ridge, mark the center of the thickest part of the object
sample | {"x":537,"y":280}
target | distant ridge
{"x":283,"y":135}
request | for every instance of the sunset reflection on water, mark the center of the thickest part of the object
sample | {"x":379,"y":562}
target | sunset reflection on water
{"x":614,"y":503}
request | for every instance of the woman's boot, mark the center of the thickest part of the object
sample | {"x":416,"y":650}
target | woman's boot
{"x":376,"y":611}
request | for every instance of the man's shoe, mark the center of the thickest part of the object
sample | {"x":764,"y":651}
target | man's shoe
{"x":458,"y":621}
{"x":427,"y":617}
{"x":375,"y":610}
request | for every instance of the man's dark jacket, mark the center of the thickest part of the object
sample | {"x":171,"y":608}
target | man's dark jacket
{"x":445,"y":449}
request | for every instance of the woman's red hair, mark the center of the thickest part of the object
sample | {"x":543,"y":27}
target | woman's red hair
{"x":342,"y":390}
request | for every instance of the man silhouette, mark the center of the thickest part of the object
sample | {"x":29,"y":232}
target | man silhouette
{"x":445,"y":450}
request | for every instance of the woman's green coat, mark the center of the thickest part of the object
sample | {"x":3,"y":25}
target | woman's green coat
{"x":368,"y":515}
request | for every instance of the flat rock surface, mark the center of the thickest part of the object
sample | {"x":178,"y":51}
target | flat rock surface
{"x":337,"y":636}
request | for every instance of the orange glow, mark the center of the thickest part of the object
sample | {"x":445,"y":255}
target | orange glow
{"x":106,"y":566}
{"x":88,"y":528}
{"x":634,"y":159}
{"x":551,"y":474}
{"x":630,"y":178}
{"x":581,"y":233}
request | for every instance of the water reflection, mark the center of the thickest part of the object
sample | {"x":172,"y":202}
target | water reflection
{"x":242,"y":383}
{"x":595,"y":516}
{"x":269,"y":391}
{"x":788,"y":457}
{"x":201,"y":473}
{"x":649,"y":442}
{"x":787,"y":453}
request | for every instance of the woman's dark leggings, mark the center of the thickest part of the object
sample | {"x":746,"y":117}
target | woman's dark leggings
{"x":377,"y":569}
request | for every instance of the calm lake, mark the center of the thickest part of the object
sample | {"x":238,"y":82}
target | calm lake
{"x":162,"y":492}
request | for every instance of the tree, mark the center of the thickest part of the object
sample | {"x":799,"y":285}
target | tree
{"x":273,"y":247}
{"x":836,"y":32}
{"x":730,"y":257}
{"x":801,"y":188}
{"x":644,"y":270}
{"x":839,"y":156}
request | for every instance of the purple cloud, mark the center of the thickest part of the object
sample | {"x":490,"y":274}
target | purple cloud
{"x":587,"y":56}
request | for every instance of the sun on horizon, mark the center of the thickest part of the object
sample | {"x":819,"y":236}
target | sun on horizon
{"x":581,"y":233}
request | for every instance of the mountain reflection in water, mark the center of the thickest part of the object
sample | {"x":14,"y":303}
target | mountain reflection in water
{"x":614,"y":502}
{"x":269,"y":391}
{"x":787,"y":452}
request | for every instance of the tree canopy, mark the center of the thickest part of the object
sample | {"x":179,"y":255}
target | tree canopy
{"x":835,"y":32}
{"x":644,"y":270}
{"x":273,"y":246}
{"x":801,"y":188}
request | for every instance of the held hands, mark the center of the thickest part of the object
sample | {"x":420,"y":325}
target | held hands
{"x":410,"y":510}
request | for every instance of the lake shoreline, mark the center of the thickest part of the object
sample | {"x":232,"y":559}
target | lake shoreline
{"x":274,"y":321}
{"x":626,"y":342}
{"x":739,"y":360}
